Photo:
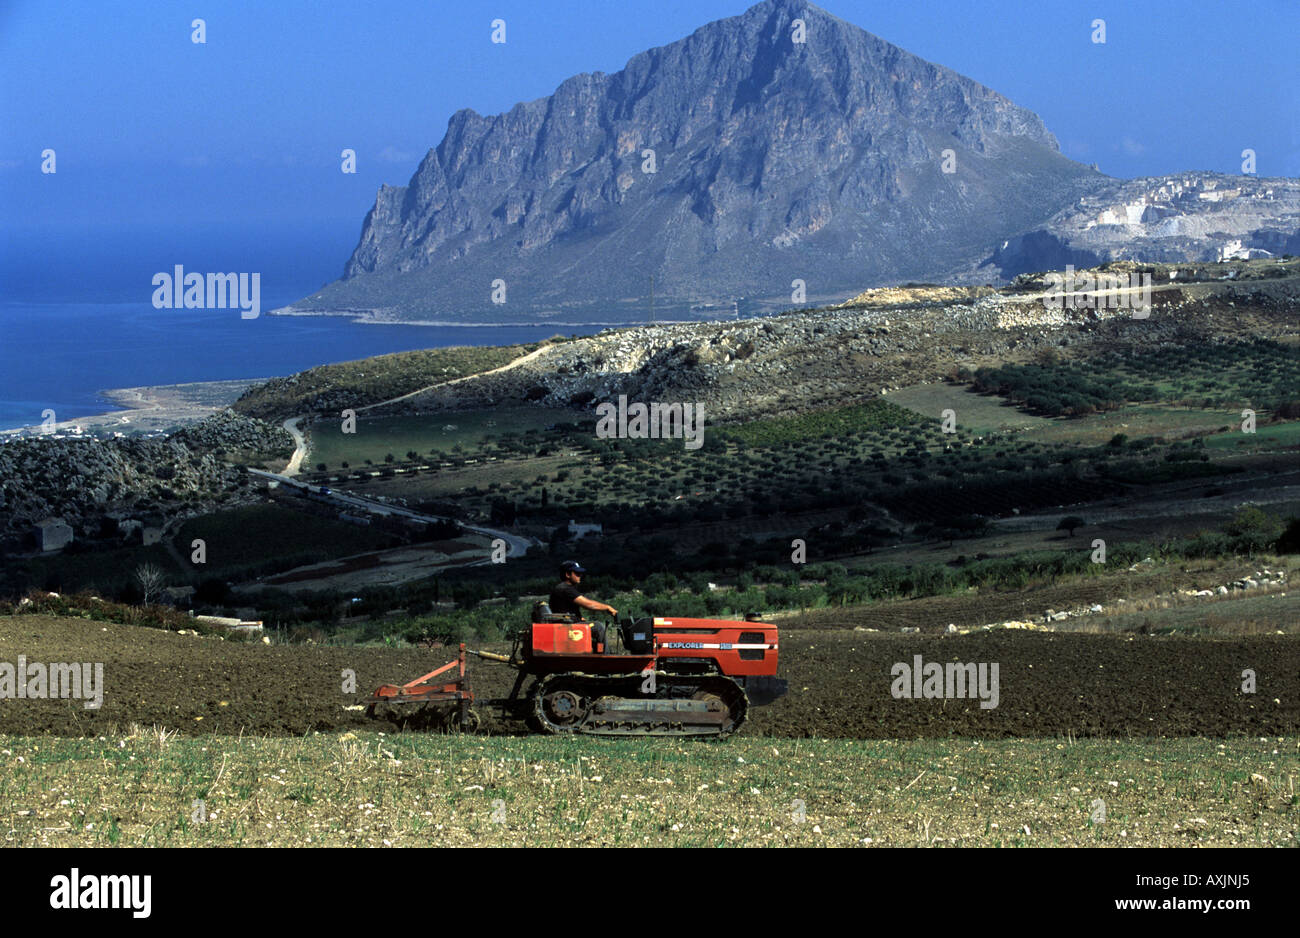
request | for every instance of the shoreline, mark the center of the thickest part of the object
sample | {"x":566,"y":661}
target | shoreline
{"x":148,"y":408}
{"x":372,"y":317}
{"x":154,"y":409}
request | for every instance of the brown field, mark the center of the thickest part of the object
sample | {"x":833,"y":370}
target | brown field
{"x":1051,"y":684}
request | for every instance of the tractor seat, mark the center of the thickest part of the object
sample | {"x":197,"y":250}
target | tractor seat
{"x":542,"y":613}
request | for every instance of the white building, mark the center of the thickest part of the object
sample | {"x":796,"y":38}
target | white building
{"x":53,"y":534}
{"x":582,"y":530}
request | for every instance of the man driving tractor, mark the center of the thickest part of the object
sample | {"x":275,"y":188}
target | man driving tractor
{"x":566,"y":599}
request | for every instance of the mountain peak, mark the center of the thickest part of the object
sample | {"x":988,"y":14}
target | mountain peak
{"x":780,"y":144}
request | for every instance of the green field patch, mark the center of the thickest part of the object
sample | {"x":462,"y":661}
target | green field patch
{"x":1134,"y":421}
{"x":428,"y":436}
{"x":835,"y":422}
{"x":978,"y":413}
{"x":1235,"y":614}
{"x":1265,"y":437}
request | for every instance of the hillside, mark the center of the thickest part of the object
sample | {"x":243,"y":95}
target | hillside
{"x":882,"y":339}
{"x":103,"y":482}
{"x":334,"y":387}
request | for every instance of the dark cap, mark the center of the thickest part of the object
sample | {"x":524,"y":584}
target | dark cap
{"x":572,"y":566}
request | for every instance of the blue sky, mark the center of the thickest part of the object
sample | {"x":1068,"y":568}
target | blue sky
{"x":153,"y":132}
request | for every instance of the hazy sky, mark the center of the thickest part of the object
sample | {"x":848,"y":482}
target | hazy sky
{"x":152,"y":130}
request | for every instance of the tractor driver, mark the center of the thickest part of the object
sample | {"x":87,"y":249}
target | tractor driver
{"x":566,"y":598}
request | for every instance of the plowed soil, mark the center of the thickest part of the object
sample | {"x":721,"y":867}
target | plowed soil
{"x":840,"y":684}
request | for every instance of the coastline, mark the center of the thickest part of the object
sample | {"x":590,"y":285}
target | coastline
{"x":377,"y":317}
{"x":150,"y":409}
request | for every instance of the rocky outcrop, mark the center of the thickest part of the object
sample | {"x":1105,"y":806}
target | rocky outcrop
{"x":230,"y":435}
{"x":1194,"y":217}
{"x":85,"y":481}
{"x":725,"y":165}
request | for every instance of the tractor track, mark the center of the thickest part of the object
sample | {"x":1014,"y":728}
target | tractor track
{"x":670,"y":686}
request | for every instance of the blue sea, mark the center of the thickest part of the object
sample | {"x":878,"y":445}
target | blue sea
{"x":60,"y":356}
{"x":76,"y":317}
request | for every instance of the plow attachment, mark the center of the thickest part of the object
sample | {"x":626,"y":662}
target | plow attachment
{"x":419,"y":704}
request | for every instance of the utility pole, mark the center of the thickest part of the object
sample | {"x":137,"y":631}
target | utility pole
{"x":652,"y":299}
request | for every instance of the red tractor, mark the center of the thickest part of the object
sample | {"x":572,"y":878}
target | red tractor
{"x":643,"y":677}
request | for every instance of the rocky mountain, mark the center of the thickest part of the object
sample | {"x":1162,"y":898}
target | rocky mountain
{"x":1170,"y":219}
{"x":780,"y":145}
